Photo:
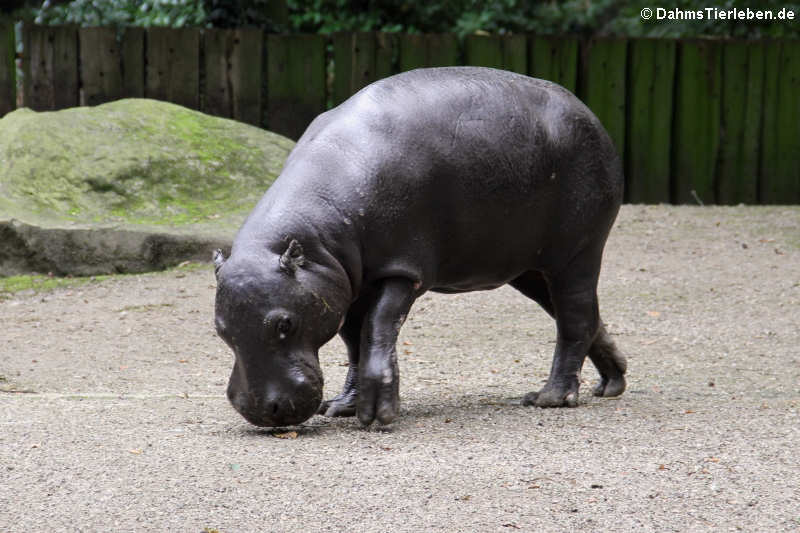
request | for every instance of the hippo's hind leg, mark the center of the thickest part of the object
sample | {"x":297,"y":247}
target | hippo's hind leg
{"x":571,"y":299}
{"x":344,"y":403}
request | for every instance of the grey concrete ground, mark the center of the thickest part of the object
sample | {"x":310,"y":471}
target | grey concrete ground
{"x":123,"y":425}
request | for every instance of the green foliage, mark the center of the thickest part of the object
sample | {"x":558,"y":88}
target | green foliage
{"x":172,"y":13}
{"x":238,"y":13}
{"x":628,"y":21}
{"x":581,"y":17}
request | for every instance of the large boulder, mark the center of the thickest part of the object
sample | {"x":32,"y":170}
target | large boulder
{"x":127,"y":186}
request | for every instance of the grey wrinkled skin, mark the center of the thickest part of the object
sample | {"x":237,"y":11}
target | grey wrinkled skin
{"x":449,"y":180}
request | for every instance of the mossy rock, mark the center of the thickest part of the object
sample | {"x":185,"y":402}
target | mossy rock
{"x":132,"y":172}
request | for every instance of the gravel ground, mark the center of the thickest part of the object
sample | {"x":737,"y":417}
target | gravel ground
{"x":123,"y":424}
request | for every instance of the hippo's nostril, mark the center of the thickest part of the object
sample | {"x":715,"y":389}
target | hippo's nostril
{"x":274,"y":408}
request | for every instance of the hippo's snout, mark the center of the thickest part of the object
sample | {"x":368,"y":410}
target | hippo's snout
{"x":276,"y":407}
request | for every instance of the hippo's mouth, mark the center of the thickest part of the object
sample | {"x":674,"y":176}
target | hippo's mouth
{"x":283,"y":411}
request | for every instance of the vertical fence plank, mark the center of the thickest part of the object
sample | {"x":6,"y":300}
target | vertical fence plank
{"x":515,"y":53}
{"x":8,"y":70}
{"x":295,"y":82}
{"x":50,"y":67}
{"x":780,"y":141}
{"x":443,"y":50}
{"x":354,"y":59}
{"x":360,"y":59}
{"x":246,"y":72}
{"x":554,"y":59}
{"x":362,"y":71}
{"x":233,"y":65}
{"x":742,"y":94}
{"x":413,"y":51}
{"x":342,"y":66}
{"x":509,"y":52}
{"x":483,"y":51}
{"x":695,"y":138}
{"x":217,"y":48}
{"x":385,"y":52}
{"x":430,"y":50}
{"x":66,"y":82}
{"x":649,"y":120}
{"x":173,"y":66}
{"x":100,"y":65}
{"x":133,"y":66}
{"x":603,"y":85}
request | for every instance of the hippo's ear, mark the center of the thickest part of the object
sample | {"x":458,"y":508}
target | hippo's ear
{"x":292,"y":258}
{"x":219,"y":260}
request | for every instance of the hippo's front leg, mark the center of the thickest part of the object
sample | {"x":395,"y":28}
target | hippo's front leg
{"x":344,"y":403}
{"x":378,"y":375}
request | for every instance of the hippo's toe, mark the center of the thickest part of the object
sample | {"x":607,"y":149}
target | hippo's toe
{"x":551,"y":397}
{"x":341,"y":405}
{"x":610,"y":387}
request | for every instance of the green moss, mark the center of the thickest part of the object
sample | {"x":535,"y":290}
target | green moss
{"x":134,"y":161}
{"x":39,"y":283}
{"x":43,"y":284}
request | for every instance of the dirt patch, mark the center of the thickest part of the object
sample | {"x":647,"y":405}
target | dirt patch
{"x":127,"y":427}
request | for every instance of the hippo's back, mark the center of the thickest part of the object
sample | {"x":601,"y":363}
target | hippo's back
{"x":442,"y":166}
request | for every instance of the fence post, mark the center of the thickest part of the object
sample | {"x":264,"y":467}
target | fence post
{"x":360,"y":59}
{"x":603,"y":85}
{"x":295,"y":82}
{"x":509,"y":52}
{"x":780,"y":139}
{"x":431,"y":50}
{"x":100,"y":65}
{"x":50,"y":67}
{"x":554,"y":59}
{"x":233,"y":68}
{"x":742,"y":94}
{"x":173,"y":66}
{"x":651,"y":71}
{"x":133,"y":62}
{"x":8,"y":69}
{"x":695,"y":138}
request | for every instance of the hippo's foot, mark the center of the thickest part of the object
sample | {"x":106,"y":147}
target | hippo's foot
{"x":553,"y":396}
{"x":379,"y":396}
{"x":610,"y":386}
{"x":343,"y":404}
{"x":610,"y":363}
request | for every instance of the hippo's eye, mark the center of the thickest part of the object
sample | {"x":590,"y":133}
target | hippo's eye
{"x":283,"y":327}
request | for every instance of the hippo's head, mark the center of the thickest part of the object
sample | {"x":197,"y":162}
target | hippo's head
{"x":275,"y":310}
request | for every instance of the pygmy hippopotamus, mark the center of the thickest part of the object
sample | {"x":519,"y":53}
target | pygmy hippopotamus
{"x":444,"y":179}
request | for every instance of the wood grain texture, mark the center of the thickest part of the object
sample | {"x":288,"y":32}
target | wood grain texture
{"x":133,"y":50}
{"x":742,"y":96}
{"x":50,"y":67}
{"x":554,"y":59}
{"x":651,"y":70}
{"x":8,"y":69}
{"x":173,"y":66}
{"x":295,"y":82}
{"x":780,"y":140}
{"x":100,"y":65}
{"x":603,"y":64}
{"x":233,"y":67}
{"x":429,"y":50}
{"x":696,"y":133}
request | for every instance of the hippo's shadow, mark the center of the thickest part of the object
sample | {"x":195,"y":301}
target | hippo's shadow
{"x":416,"y":409}
{"x":409,"y":413}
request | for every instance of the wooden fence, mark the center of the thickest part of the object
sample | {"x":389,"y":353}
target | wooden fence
{"x":708,"y":120}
